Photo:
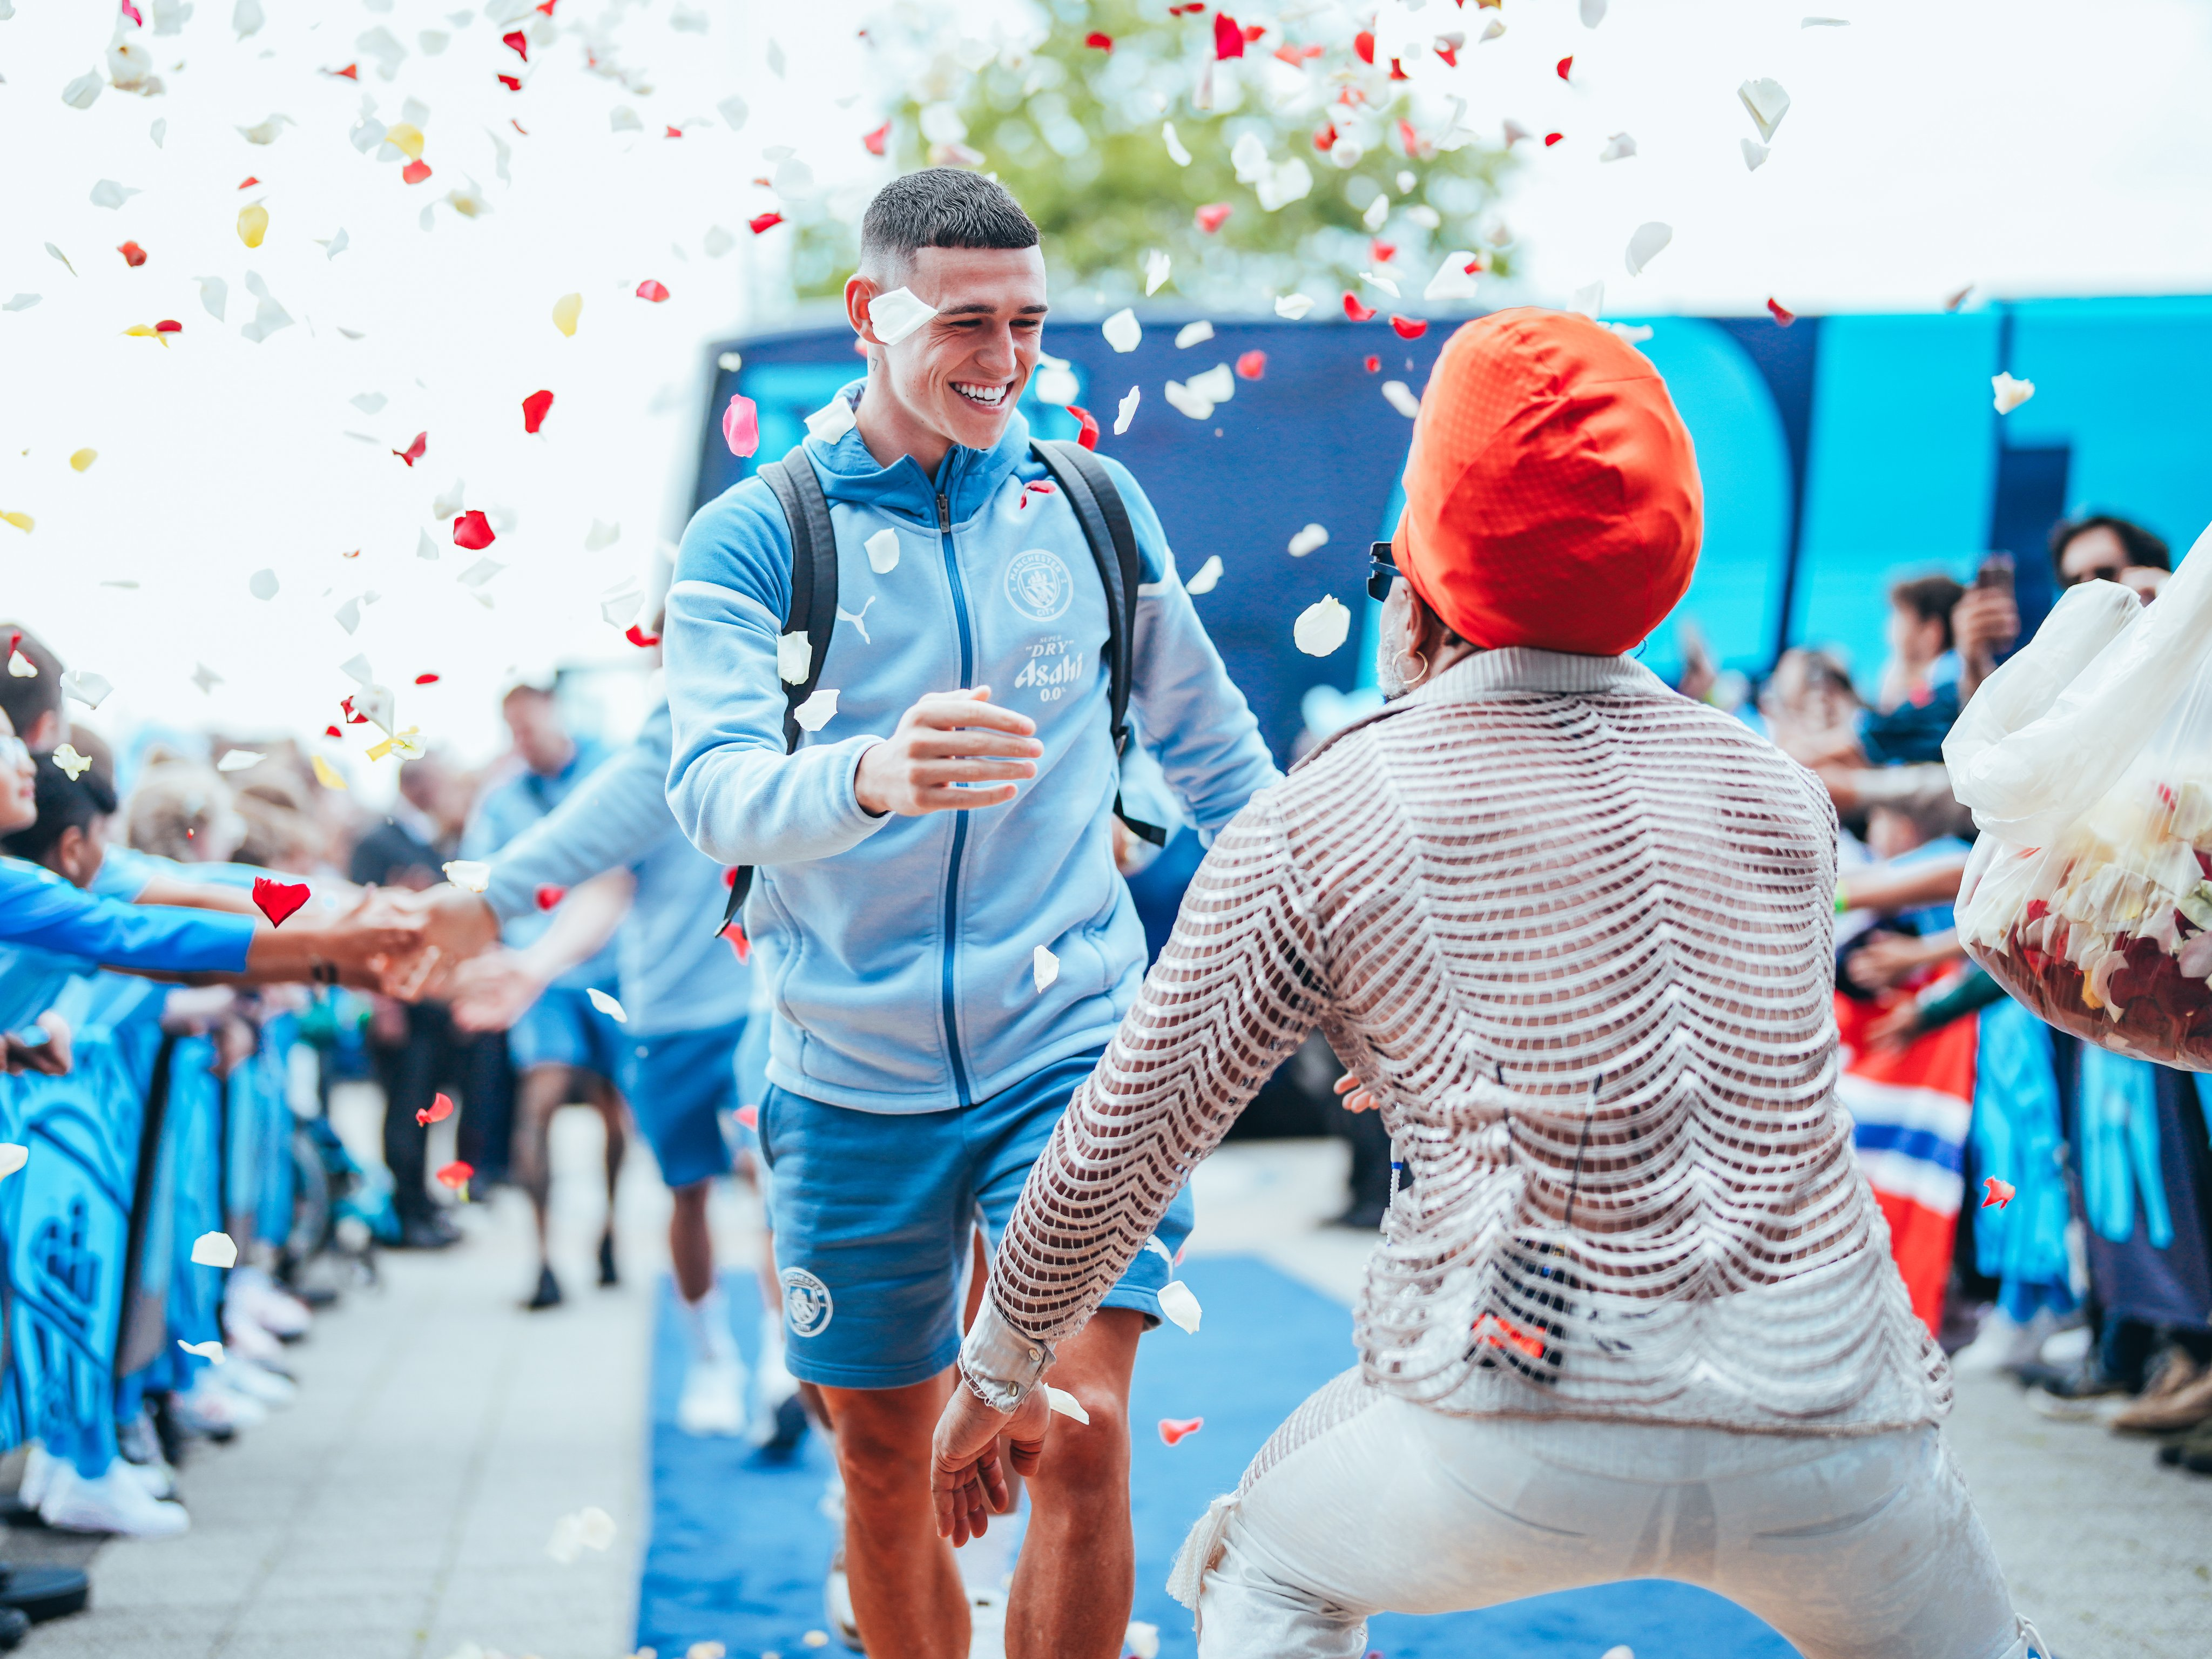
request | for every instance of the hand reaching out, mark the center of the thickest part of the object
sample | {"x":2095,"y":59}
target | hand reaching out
{"x":944,"y":741}
{"x":490,"y":993}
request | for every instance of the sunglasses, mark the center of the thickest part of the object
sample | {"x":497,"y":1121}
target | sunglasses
{"x":1382,"y":571}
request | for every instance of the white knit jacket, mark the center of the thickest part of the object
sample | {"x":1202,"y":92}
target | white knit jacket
{"x":1574,"y":931}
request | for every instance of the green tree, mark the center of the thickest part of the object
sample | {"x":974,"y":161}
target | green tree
{"x":1297,"y":151}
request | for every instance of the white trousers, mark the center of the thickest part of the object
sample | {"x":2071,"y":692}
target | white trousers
{"x":1854,"y":1548}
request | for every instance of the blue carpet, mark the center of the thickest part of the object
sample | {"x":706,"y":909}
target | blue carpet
{"x":738,"y":1548}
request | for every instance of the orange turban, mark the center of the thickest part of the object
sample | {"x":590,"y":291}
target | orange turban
{"x":1552,"y":495}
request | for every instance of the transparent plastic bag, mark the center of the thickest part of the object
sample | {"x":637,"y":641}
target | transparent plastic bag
{"x":2087,"y":761}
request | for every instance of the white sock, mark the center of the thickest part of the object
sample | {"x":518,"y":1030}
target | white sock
{"x":706,"y":1327}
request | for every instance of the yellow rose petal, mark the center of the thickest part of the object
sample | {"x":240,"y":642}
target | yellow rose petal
{"x":326,"y":775}
{"x":406,"y":138}
{"x":252,"y":224}
{"x":83,"y":459}
{"x":566,"y":310}
{"x":22,"y":521}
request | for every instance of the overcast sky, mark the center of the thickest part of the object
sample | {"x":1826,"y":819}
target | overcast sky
{"x":2030,"y":147}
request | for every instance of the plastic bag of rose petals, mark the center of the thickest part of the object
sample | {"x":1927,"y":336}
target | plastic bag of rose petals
{"x":2087,"y":761}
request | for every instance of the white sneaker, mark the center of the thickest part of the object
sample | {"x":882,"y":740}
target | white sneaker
{"x":116,"y":1502}
{"x":247,"y":1340}
{"x":159,"y":1480}
{"x":267,"y":1303}
{"x":209,"y":1409}
{"x":713,"y":1400}
{"x":259,"y":1383}
{"x":38,"y":1467}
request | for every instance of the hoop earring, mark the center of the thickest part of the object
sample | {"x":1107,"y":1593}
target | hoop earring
{"x":1413,"y":679}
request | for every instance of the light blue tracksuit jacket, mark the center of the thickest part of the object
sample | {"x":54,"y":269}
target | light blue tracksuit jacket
{"x":900,"y":950}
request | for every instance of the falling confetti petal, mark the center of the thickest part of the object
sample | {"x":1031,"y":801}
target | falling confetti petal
{"x":883,"y":548}
{"x":252,"y":224}
{"x":1618,"y":148}
{"x":741,"y":425}
{"x":1409,"y":328}
{"x":566,"y":310}
{"x":206,"y":678}
{"x":240,"y":760}
{"x":472,"y":531}
{"x":831,"y":422}
{"x":1754,"y":154}
{"x":1357,"y":312}
{"x":456,"y":1175}
{"x":265,"y":132}
{"x":109,"y":194}
{"x":1044,"y":967}
{"x":277,"y":900}
{"x":326,"y":775}
{"x":547,"y":897}
{"x":1400,"y":397}
{"x":12,"y":1159}
{"x":1191,"y":334}
{"x":63,"y":257}
{"x":876,"y":141}
{"x":80,"y":92}
{"x":1206,"y":576}
{"x":88,"y":687}
{"x":440,"y":1109}
{"x":1122,"y":330}
{"x":83,"y":459}
{"x":1823,"y":22}
{"x":1176,"y":153}
{"x":22,"y":302}
{"x":2010,"y":393}
{"x":480,"y":573}
{"x":1175,"y":1429}
{"x":1178,"y":1302}
{"x":535,"y":407}
{"x":21,"y":667}
{"x":413,"y":173}
{"x":1211,"y":217}
{"x":133,"y":255}
{"x":1291,"y":307}
{"x":211,"y":1352}
{"x":22,"y":521}
{"x":896,"y":314}
{"x":215,"y":1250}
{"x":816,"y":712}
{"x":1645,"y":246}
{"x":1313,"y":536}
{"x":262,"y":584}
{"x":1143,"y":1639}
{"x":1086,"y":426}
{"x":2000,"y":1193}
{"x":1159,"y":264}
{"x":1126,"y":412}
{"x":1066,"y":1404}
{"x":1454,"y":278}
{"x":1252,"y":366}
{"x":73,"y":764}
{"x":1782,"y":313}
{"x":1566,"y":66}
{"x":470,"y":875}
{"x":651,"y":290}
{"x":1322,"y":627}
{"x":762,"y":222}
{"x":1767,"y":104}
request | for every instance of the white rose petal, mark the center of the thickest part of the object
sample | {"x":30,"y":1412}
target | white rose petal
{"x":567,"y":1542}
{"x":1056,"y":384}
{"x":109,"y":194}
{"x":1044,"y":967}
{"x":1191,"y":333}
{"x":1388,"y":285}
{"x":1290,"y":181}
{"x":80,"y":92}
{"x":88,"y":687}
{"x":1400,"y":397}
{"x":607,"y":1005}
{"x":1588,"y":301}
{"x":1378,"y":212}
{"x":247,"y":17}
{"x":480,"y":573}
{"x":896,"y":314}
{"x":794,"y":653}
{"x":1618,"y":148}
{"x":1593,"y":12}
{"x":1158,"y":264}
{"x":601,"y":535}
{"x":1322,"y":627}
{"x":2010,"y":393}
{"x":1203,"y":581}
{"x":211,"y":1352}
{"x":215,"y":1250}
{"x":1453,"y":280}
{"x":1143,"y":1640}
{"x":941,"y":123}
{"x":348,"y":616}
{"x":239,"y":760}
{"x":1066,"y":1404}
{"x":624,"y":119}
{"x":1122,"y":330}
{"x":448,"y":506}
{"x":1821,"y":23}
{"x":1192,"y":403}
{"x":1180,"y":1305}
{"x":1644,"y":246}
{"x":1127,"y":412}
{"x":1754,"y":154}
{"x":883,"y":559}
{"x":1306,"y":540}
{"x":595,"y":1528}
{"x":1291,"y":307}
{"x":1767,"y":103}
{"x":424,"y":547}
{"x":1176,"y":153}
{"x":1634,"y":333}
{"x":734,"y":110}
{"x":620,"y":605}
{"x":470,"y":875}
{"x":831,"y":422}
{"x":12,"y":1159}
{"x":816,"y":712}
{"x":1217,"y":385}
{"x":262,"y":584}
{"x":206,"y":678}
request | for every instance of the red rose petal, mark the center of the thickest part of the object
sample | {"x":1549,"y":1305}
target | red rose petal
{"x":249,"y":181}
{"x":131,"y":12}
{"x":413,"y":453}
{"x":1566,"y":63}
{"x":1098,"y":42}
{"x":1174,"y":1429}
{"x":519,"y":42}
{"x":1374,"y":365}
{"x":741,"y":425}
{"x":278,"y":899}
{"x":1398,"y":73}
{"x":637,"y":635}
{"x":1357,"y":312}
{"x":168,"y":326}
{"x":1363,"y":44}
{"x":549,"y":895}
{"x":511,"y":83}
{"x":1325,"y":140}
{"x":1551,"y":138}
{"x":473,"y":531}
{"x":1087,"y":426}
{"x":440,"y":1109}
{"x":535,"y":407}
{"x":2000,"y":1193}
{"x":333,"y":731}
{"x":1252,"y":365}
{"x":350,"y":72}
{"x":1450,"y":54}
{"x":1228,"y":39}
{"x":649,"y":290}
{"x":671,"y":132}
{"x":1384,"y":252}
{"x":1783,"y":314}
{"x":766,"y":221}
{"x":426,"y":679}
{"x":416,"y":171}
{"x":1409,"y":328}
{"x":456,"y":1175}
{"x":1211,"y":216}
{"x":750,"y":1116}
{"x":875,"y":142}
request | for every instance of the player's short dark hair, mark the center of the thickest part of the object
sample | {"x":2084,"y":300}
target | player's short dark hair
{"x":1931,"y":598}
{"x":63,"y":802}
{"x":2145,"y":550}
{"x":25,"y":700}
{"x":940,"y":207}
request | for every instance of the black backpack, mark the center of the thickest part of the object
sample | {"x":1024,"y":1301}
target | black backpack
{"x":1106,"y":527}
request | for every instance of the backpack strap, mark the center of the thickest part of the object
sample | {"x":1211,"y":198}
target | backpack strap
{"x":1112,"y":538}
{"x":798,"y":490}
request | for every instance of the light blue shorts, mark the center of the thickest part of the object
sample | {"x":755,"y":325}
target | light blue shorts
{"x":873,"y":1212}
{"x":680,"y":1086}
{"x":562,"y":1028}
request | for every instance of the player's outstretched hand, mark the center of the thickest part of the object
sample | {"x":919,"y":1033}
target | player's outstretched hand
{"x":952,"y":751}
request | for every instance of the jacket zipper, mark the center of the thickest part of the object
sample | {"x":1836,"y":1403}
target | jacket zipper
{"x":959,"y":818}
